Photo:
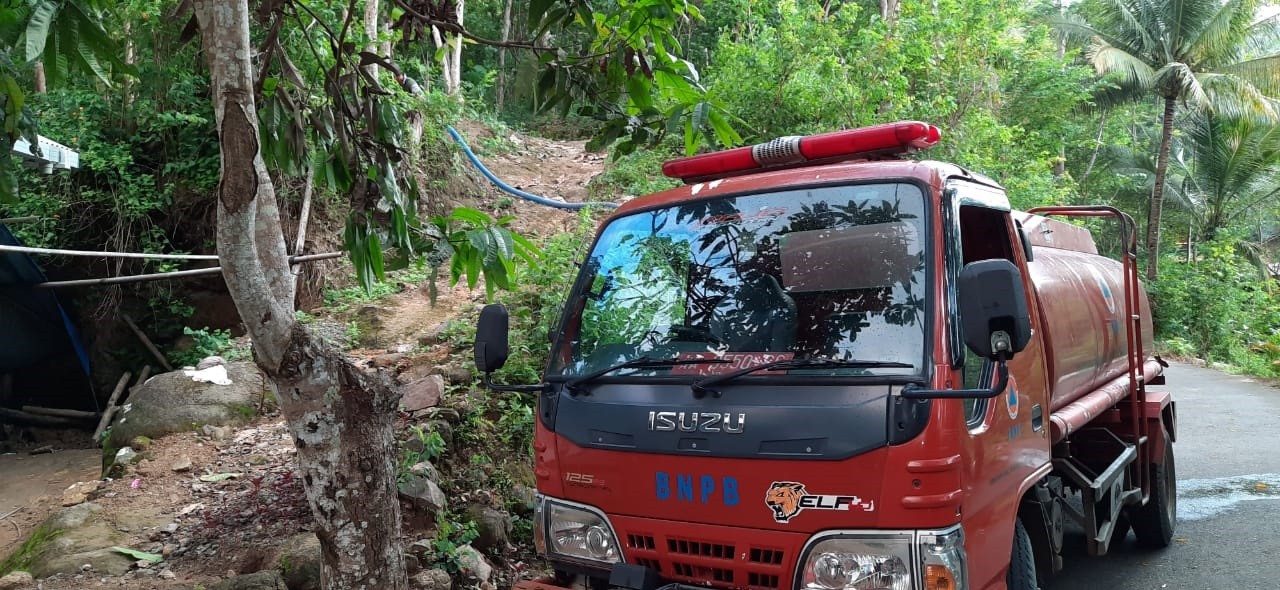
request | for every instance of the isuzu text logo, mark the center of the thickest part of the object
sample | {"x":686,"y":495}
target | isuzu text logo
{"x":696,"y":422}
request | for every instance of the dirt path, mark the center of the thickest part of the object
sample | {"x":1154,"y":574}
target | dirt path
{"x":32,"y":485}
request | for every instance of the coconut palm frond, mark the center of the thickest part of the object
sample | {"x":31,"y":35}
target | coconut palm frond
{"x":1108,"y":58}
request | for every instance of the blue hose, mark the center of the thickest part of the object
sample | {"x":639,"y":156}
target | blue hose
{"x":517,"y":192}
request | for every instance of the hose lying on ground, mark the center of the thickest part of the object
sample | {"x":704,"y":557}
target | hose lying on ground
{"x":517,"y":192}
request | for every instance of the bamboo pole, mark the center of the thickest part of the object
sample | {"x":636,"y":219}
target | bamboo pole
{"x":27,"y":219}
{"x":37,"y":419}
{"x":161,"y":276}
{"x":164,"y":362}
{"x":31,"y":250}
{"x":111,"y":405}
{"x":303,"y":215}
{"x":60,"y":413}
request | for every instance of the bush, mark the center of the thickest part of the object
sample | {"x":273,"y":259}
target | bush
{"x":1217,"y":308}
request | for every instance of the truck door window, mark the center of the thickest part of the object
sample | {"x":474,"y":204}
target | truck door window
{"x":984,"y":235}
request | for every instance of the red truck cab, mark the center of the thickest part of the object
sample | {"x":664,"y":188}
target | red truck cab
{"x":819,"y":365}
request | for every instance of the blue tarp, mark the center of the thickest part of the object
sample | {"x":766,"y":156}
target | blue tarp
{"x":33,"y":324}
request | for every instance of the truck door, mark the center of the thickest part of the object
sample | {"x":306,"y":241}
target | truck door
{"x":1005,"y":436}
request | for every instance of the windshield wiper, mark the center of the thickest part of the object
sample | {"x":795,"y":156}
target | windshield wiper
{"x":703,"y":386}
{"x":645,"y":362}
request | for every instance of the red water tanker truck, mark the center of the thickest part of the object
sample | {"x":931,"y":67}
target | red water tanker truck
{"x":820,"y":365}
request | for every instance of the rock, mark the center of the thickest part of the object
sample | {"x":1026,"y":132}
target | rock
{"x":425,"y":469}
{"x":422,"y":394}
{"x":101,"y":561}
{"x":459,"y":375}
{"x":17,"y":581}
{"x":167,"y":574}
{"x":474,"y":563}
{"x":299,"y":562}
{"x":264,"y":580}
{"x":140,"y":442}
{"x":431,"y":579}
{"x":431,"y":336}
{"x":449,"y":415}
{"x":493,"y":527}
{"x":182,"y":464}
{"x":424,"y":495}
{"x":411,"y":564}
{"x":126,"y":456}
{"x":421,"y":547}
{"x":173,"y":402}
{"x":218,"y":433}
{"x":210,"y":361}
{"x":80,"y":536}
{"x":522,"y":500}
{"x":79,"y":492}
{"x":256,"y":459}
{"x":389,"y":360}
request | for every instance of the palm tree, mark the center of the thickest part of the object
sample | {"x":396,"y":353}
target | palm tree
{"x":1211,"y":55}
{"x":1225,"y":168}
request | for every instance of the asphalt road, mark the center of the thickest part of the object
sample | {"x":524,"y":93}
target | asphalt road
{"x":1228,"y":469}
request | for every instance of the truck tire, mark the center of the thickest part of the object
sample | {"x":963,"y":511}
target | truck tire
{"x":1022,"y":562}
{"x":1153,"y":524}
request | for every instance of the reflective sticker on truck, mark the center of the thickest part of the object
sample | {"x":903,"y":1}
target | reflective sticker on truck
{"x":786,"y":499}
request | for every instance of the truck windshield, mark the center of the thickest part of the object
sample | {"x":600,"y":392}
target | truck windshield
{"x":834,"y":272}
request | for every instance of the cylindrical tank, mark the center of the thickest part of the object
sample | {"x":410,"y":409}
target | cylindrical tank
{"x":1082,"y":311}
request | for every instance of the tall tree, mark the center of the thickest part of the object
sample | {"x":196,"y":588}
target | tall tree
{"x":340,"y":418}
{"x":1195,"y":51}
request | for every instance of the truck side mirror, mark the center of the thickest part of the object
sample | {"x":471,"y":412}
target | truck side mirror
{"x":492,"y":347}
{"x":993,"y":308}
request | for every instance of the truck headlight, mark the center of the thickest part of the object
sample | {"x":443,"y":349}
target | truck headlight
{"x":575,"y":531}
{"x":881,"y":562}
{"x":886,"y":560}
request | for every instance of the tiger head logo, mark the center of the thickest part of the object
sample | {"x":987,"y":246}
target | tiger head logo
{"x":783,"y":498}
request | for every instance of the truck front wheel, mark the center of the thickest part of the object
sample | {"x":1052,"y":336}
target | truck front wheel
{"x":1022,"y":563}
{"x":1153,"y":524}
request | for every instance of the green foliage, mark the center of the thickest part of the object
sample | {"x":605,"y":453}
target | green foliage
{"x":205,"y":342}
{"x":1216,"y":308}
{"x":450,"y":535}
{"x":432,"y":446}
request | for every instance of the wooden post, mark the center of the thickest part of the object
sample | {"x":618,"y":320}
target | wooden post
{"x":38,"y":419}
{"x":147,"y":341}
{"x":111,"y":405}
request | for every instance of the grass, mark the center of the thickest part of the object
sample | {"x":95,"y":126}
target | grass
{"x":26,"y":554}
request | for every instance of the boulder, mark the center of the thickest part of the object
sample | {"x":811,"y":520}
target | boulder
{"x":493,"y":527}
{"x":17,"y":581}
{"x":299,"y":561}
{"x":173,"y":402}
{"x":459,"y":374}
{"x":81,"y":535}
{"x":422,"y":394}
{"x":264,"y":580}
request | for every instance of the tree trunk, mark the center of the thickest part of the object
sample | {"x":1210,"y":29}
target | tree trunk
{"x":41,"y":85}
{"x":457,"y":55}
{"x":889,"y":11}
{"x":501,"y":90}
{"x":340,"y":419}
{"x":1157,"y":195}
{"x":371,"y":29}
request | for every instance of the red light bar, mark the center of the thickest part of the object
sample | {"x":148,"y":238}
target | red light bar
{"x":887,"y":139}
